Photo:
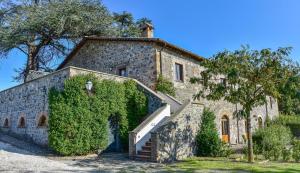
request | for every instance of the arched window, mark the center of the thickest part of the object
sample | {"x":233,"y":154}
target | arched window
{"x":260,"y":123}
{"x":6,"y":123}
{"x":42,"y":122}
{"x":21,"y":122}
{"x":225,"y":128}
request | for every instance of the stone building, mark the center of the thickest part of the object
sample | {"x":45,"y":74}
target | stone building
{"x":169,"y":130}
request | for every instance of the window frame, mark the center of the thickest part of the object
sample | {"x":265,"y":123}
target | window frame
{"x":6,"y":120}
{"x":20,"y":125}
{"x":123,"y":68}
{"x":45,"y":125}
{"x":181,"y":73}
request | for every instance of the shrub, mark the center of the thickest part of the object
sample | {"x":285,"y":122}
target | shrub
{"x":286,"y":154}
{"x":165,"y":86}
{"x":271,"y":140}
{"x":291,"y":121}
{"x":225,"y":150}
{"x":78,"y":121}
{"x":296,"y":150}
{"x":207,"y":139}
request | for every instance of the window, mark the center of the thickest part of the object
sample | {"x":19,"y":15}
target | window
{"x":42,"y":121}
{"x":123,"y":72}
{"x":21,"y":122}
{"x":6,"y":123}
{"x":178,"y":72}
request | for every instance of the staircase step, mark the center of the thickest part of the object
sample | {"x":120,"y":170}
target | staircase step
{"x":144,"y":152}
{"x":148,"y":143}
{"x":143,"y":157}
{"x":146,"y":148}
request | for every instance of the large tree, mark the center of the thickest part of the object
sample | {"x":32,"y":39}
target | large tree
{"x":289,"y":103}
{"x":250,"y":77}
{"x":127,"y":26}
{"x":45,"y":30}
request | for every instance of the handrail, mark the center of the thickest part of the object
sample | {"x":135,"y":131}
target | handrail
{"x":149,"y":119}
{"x":142,"y":133}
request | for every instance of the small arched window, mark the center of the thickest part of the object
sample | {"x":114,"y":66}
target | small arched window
{"x":42,"y":122}
{"x":6,"y":123}
{"x":21,"y":122}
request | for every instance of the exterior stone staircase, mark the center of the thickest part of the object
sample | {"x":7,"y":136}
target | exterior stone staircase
{"x":145,"y":153}
{"x":140,"y":144}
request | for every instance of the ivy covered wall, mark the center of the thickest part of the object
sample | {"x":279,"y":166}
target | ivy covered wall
{"x":79,"y":120}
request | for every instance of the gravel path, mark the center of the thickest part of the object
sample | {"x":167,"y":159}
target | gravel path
{"x":29,"y":158}
{"x":13,"y":159}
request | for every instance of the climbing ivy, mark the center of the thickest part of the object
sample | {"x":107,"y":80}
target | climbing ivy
{"x":78,"y":121}
{"x":165,"y":86}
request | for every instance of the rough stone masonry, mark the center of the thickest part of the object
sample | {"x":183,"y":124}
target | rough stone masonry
{"x":143,"y":59}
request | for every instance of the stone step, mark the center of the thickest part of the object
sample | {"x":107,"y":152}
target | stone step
{"x":146,"y":148}
{"x":148,"y":144}
{"x":144,"y":152}
{"x":143,"y":157}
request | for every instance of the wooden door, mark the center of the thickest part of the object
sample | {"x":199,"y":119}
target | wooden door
{"x":225,"y":129}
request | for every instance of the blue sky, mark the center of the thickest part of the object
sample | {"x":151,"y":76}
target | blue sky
{"x":205,"y":26}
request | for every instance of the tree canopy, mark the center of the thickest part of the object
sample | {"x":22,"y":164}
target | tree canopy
{"x":246,"y":77}
{"x":45,"y":31}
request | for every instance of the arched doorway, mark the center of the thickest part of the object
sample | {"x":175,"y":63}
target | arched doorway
{"x":260,"y":123}
{"x":225,"y":129}
{"x":114,"y":143}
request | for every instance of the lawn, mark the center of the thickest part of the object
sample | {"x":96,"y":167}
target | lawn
{"x":198,"y":164}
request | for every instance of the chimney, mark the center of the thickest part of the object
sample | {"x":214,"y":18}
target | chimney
{"x":147,"y":30}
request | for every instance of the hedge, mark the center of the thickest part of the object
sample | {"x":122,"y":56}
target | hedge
{"x":78,"y":121}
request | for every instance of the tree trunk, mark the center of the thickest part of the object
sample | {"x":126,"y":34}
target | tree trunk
{"x":32,"y":62}
{"x":249,"y":136}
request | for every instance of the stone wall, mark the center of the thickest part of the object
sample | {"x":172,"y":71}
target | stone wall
{"x":29,"y":100}
{"x":191,"y":68}
{"x":185,"y":91}
{"x":175,"y":139}
{"x":110,"y":56}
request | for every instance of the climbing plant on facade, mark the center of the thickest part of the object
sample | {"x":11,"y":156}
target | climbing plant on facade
{"x":165,"y":86}
{"x":78,"y":121}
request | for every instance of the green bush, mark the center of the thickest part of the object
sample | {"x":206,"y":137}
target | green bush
{"x":272,"y":140}
{"x":78,"y":121}
{"x":291,"y":121}
{"x":225,"y":150}
{"x":207,"y":139}
{"x":286,"y":154}
{"x":296,"y":150}
{"x":165,"y":86}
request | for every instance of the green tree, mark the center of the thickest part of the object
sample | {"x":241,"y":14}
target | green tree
{"x":207,"y":139}
{"x":127,"y":26}
{"x":250,"y":76}
{"x":45,"y":31}
{"x":289,"y":103}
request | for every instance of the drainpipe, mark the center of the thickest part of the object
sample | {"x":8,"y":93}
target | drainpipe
{"x":267,"y":112}
{"x":160,"y":57}
{"x":237,"y":124}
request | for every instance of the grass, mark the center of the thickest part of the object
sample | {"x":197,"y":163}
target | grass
{"x":230,"y":165}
